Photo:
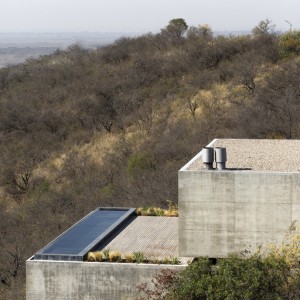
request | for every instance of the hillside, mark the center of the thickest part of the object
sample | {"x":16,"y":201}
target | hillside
{"x":83,"y":128}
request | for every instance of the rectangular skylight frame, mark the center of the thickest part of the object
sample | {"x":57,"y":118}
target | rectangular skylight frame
{"x":44,"y":255}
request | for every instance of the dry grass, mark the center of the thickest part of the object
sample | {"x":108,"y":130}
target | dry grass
{"x":98,"y":255}
{"x":91,"y":256}
{"x":129,"y":257}
{"x":172,"y":211}
{"x":114,"y":256}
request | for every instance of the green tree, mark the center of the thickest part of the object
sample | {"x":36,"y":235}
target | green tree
{"x":175,"y":29}
{"x":254,"y":277}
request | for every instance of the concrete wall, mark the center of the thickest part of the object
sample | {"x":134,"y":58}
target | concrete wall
{"x":53,"y":280}
{"x":229,"y":211}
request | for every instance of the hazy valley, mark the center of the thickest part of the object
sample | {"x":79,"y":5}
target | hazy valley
{"x":17,"y":47}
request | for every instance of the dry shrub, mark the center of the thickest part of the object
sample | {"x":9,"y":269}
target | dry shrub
{"x":98,"y":255}
{"x":114,"y":256}
{"x":91,"y":256}
{"x":129,"y":257}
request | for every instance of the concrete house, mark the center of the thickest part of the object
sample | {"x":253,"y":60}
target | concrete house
{"x":59,"y":271}
{"x":234,"y":195}
{"x":236,"y":204}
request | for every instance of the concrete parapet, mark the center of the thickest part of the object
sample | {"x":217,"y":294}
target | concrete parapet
{"x":57,"y":280}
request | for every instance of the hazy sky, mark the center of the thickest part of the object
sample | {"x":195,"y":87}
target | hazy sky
{"x":142,"y":15}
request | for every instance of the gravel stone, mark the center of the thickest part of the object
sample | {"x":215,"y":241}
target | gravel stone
{"x":257,"y":155}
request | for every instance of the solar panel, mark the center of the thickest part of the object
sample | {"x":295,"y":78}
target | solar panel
{"x":85,"y":235}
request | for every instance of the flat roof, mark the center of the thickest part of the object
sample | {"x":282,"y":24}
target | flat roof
{"x":255,"y":155}
{"x":117,"y":229}
{"x":156,"y":237}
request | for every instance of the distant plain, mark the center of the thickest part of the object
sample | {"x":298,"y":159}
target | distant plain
{"x":17,"y":47}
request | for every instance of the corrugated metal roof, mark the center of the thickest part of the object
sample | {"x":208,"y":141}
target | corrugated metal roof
{"x":155,"y":237}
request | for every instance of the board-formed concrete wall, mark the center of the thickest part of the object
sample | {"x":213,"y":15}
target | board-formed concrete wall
{"x":57,"y":280}
{"x":229,"y":211}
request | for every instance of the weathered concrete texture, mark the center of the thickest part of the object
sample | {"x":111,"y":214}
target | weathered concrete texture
{"x":230,"y":211}
{"x":53,"y":280}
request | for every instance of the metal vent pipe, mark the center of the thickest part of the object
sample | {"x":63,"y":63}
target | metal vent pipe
{"x":221,"y":158}
{"x":208,"y":157}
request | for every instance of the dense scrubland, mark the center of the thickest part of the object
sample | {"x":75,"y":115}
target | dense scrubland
{"x":83,"y":128}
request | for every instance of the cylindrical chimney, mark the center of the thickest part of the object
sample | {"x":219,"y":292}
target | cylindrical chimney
{"x":221,"y":158}
{"x":208,"y":157}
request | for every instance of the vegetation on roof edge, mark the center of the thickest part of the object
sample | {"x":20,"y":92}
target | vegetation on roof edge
{"x":108,"y":255}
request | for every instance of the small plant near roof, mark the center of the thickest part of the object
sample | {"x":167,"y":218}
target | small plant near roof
{"x":139,"y":211}
{"x":138,"y":257}
{"x":171,"y":213}
{"x":175,"y":261}
{"x":106,"y":254}
{"x":98,"y":255}
{"x":158,"y":211}
{"x":114,"y":256}
{"x":150,"y":211}
{"x":172,"y":210}
{"x":135,"y":257}
{"x":129,"y":257}
{"x":91,"y":256}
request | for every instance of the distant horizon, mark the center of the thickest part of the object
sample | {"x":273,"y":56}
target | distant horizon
{"x":85,"y":38}
{"x":98,"y":33}
{"x":120,"y":32}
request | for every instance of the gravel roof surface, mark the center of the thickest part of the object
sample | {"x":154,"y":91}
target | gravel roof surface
{"x":257,"y":155}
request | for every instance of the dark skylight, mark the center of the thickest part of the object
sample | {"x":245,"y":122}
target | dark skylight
{"x":83,"y":236}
